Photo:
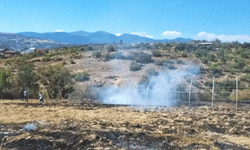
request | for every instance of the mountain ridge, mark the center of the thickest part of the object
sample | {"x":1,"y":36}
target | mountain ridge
{"x":83,"y":37}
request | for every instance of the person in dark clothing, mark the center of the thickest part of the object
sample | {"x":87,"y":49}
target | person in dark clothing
{"x":21,"y":92}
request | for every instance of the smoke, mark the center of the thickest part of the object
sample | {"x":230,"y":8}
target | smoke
{"x":155,"y":89}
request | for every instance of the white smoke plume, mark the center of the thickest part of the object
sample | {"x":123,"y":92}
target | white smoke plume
{"x":159,"y":90}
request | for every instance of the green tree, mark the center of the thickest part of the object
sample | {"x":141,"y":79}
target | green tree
{"x":27,"y":78}
{"x":5,"y":80}
{"x":56,"y":80}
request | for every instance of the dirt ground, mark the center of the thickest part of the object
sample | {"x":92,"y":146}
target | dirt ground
{"x":59,"y":124}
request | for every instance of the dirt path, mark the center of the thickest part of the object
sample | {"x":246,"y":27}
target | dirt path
{"x":60,"y":124}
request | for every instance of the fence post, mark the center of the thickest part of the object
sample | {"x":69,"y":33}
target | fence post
{"x":236,"y":94}
{"x":190,"y":91}
{"x":213,"y":94}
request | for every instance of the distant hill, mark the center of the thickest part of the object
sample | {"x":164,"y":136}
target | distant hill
{"x":18,"y":42}
{"x":102,"y":37}
{"x":130,"y":38}
{"x":83,"y":37}
{"x":62,"y":37}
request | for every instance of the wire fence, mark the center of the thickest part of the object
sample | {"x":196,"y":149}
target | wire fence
{"x":212,"y":95}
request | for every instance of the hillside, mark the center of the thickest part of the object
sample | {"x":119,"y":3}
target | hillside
{"x":18,"y":42}
{"x":136,"y":68}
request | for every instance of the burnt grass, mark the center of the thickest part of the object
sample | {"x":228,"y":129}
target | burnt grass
{"x":173,"y":128}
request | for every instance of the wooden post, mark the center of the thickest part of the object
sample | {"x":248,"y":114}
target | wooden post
{"x":213,"y":94}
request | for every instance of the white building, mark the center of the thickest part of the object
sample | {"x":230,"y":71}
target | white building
{"x":30,"y":50}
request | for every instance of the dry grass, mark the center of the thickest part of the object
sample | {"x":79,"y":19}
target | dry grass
{"x":242,"y":140}
{"x":25,"y":113}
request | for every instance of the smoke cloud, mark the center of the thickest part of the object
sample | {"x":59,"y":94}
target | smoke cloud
{"x":160,"y":89}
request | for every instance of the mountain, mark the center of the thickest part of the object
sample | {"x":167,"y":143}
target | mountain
{"x":130,"y":38}
{"x":103,"y":37}
{"x":83,"y":37}
{"x":80,"y":33}
{"x":62,"y":37}
{"x":18,"y":42}
{"x":175,"y":40}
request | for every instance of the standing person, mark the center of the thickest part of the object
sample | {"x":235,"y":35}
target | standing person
{"x":21,"y":92}
{"x":25,"y":94}
{"x":41,"y":96}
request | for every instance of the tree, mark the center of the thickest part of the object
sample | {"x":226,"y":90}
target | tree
{"x":56,"y":80}
{"x":5,"y":80}
{"x":27,"y":78}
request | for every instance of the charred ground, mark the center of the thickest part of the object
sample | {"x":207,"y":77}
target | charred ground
{"x":63,"y":125}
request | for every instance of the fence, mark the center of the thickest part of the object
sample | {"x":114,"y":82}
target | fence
{"x":199,"y":96}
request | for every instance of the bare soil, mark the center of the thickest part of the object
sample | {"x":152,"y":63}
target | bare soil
{"x":60,"y":124}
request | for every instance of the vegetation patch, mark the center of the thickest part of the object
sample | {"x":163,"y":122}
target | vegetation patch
{"x":83,"y":76}
{"x":133,"y":66}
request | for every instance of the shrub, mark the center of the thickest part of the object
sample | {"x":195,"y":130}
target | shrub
{"x":159,"y":62}
{"x":212,"y":57}
{"x":64,"y":63}
{"x":90,"y":48}
{"x":96,"y":54}
{"x":204,"y":60}
{"x":184,"y":55}
{"x":242,"y":95}
{"x":156,"y":53}
{"x":81,"y":94}
{"x":200,"y":53}
{"x":46,"y":58}
{"x":83,"y":76}
{"x":239,"y":64}
{"x":179,"y":62}
{"x":151,"y":72}
{"x":133,"y":66}
{"x":215,"y":68}
{"x":246,"y":69}
{"x":108,"y":57}
{"x":110,"y":48}
{"x":8,"y":62}
{"x":72,"y":61}
{"x":141,"y":57}
{"x":171,"y":67}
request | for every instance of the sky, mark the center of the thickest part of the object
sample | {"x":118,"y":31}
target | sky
{"x":226,"y":20}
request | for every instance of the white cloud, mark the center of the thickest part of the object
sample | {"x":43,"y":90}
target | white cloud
{"x":143,"y":34}
{"x":223,"y":38}
{"x":171,"y":33}
{"x":58,"y":30}
{"x":118,"y":34}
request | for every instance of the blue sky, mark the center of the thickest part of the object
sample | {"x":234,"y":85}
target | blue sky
{"x":227,"y":20}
